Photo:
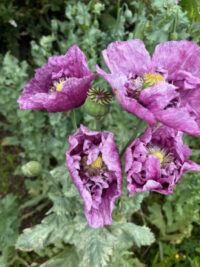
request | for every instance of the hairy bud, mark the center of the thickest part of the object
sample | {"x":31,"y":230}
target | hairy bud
{"x":32,"y":168}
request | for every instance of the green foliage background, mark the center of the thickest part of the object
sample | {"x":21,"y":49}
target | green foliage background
{"x":148,"y":229}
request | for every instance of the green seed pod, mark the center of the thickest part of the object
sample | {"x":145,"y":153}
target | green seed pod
{"x":32,"y":168}
{"x":98,"y":102}
{"x":94,"y":109}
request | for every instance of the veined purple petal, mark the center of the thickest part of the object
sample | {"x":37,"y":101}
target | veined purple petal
{"x":180,"y":119}
{"x":158,"y":96}
{"x":152,"y":168}
{"x":73,"y":64}
{"x":177,"y":55}
{"x":127,"y":57}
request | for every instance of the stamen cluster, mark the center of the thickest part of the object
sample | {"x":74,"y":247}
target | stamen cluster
{"x":57,"y":84}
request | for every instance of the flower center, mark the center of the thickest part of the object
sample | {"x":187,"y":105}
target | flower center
{"x":152,"y":78}
{"x":135,"y":85}
{"x":158,"y":155}
{"x":97,"y":163}
{"x":59,"y":86}
{"x":96,"y":168}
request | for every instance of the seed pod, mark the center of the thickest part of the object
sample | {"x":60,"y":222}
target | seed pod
{"x":98,"y":102}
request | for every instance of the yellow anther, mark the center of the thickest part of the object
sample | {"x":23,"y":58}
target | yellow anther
{"x":152,"y":78}
{"x":59,"y":86}
{"x":158,"y":155}
{"x":97,"y":163}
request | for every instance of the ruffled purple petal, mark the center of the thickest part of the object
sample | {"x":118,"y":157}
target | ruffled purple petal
{"x":127,"y":57}
{"x":73,"y":64}
{"x":128,"y":158}
{"x":158,"y":96}
{"x":152,"y":185}
{"x":179,"y":119}
{"x":147,"y":135}
{"x":188,"y":166}
{"x":103,"y":215}
{"x":38,"y":85}
{"x":152,"y":168}
{"x":191,"y":100}
{"x":177,"y":55}
{"x":185,"y":80}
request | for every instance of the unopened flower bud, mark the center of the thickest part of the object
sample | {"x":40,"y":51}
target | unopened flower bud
{"x":98,"y":102}
{"x":32,"y":168}
{"x":128,"y":14}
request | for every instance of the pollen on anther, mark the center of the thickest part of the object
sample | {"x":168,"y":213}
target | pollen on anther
{"x":152,"y":78}
{"x":97,"y":163}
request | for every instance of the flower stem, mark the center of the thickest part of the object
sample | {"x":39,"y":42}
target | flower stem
{"x":98,"y":124}
{"x":175,"y":22}
{"x":136,"y":132}
{"x":74,"y":120}
{"x":160,"y":251}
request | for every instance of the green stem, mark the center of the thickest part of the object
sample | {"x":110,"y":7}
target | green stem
{"x":160,"y":251}
{"x":175,"y":21}
{"x":98,"y":124}
{"x":136,"y":132}
{"x":74,"y":120}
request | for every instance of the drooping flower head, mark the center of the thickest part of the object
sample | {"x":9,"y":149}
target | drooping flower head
{"x":157,"y":160}
{"x":94,"y":164}
{"x":165,"y":88}
{"x":59,"y":85}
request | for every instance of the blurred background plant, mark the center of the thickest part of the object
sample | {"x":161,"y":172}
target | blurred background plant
{"x":148,"y":229}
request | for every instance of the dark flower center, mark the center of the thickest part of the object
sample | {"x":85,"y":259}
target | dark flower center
{"x":95,"y":168}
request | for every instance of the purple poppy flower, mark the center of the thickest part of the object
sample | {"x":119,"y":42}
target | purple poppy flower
{"x":157,"y":160}
{"x":94,"y":163}
{"x":165,"y":88}
{"x":59,"y":85}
